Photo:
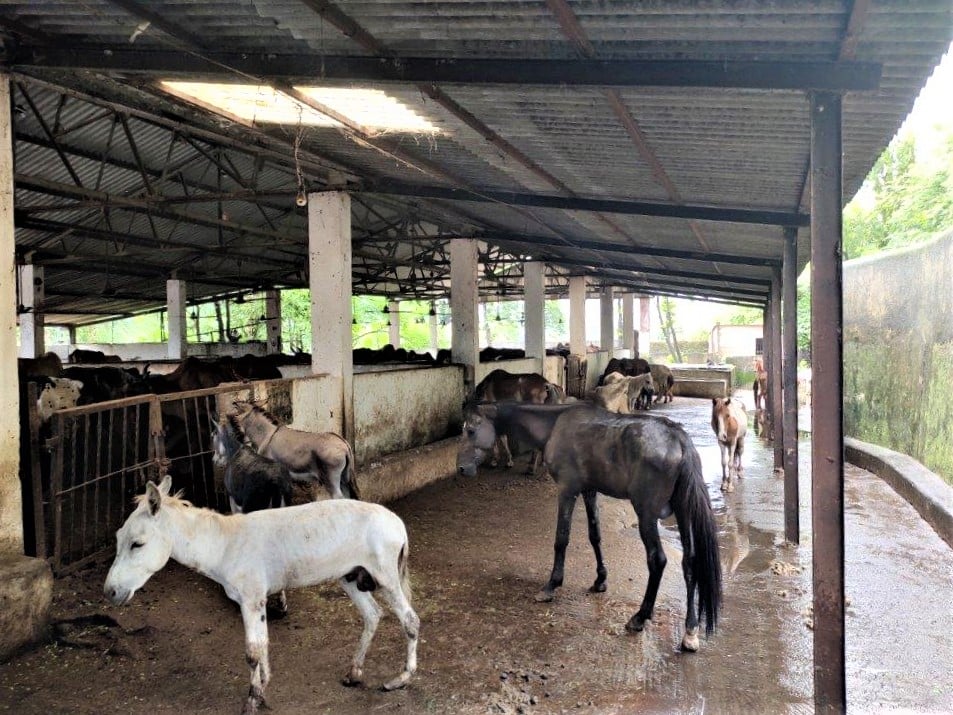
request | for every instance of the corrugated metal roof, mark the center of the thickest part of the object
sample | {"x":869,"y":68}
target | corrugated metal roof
{"x":135,"y":209}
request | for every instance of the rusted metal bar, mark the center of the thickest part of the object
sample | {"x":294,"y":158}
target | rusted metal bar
{"x":36,"y":476}
{"x":768,"y":428}
{"x":827,"y":459}
{"x":56,"y":485}
{"x":777,"y":75}
{"x":792,"y":526}
{"x":776,"y":376}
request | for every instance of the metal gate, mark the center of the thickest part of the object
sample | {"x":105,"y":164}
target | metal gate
{"x":576,"y":368}
{"x":83,"y":474}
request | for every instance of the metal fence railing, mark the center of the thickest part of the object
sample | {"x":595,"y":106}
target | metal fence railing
{"x":81,"y":472}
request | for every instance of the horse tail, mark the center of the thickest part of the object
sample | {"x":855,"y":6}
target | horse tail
{"x":404,"y":573}
{"x":348,"y":477}
{"x":696,"y":526}
{"x":755,"y":388}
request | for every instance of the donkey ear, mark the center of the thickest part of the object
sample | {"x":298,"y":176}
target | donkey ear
{"x":165,"y":486}
{"x":153,"y":497}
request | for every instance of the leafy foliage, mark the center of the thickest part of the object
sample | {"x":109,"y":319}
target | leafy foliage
{"x":906,"y":199}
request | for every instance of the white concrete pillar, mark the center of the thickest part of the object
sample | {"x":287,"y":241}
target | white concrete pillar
{"x":434,"y":337}
{"x":329,"y":243}
{"x":26,"y":584}
{"x":606,"y":321}
{"x":32,"y":296}
{"x":534,"y":309}
{"x":628,"y":324}
{"x":11,"y":518}
{"x":394,"y":328}
{"x":175,"y":297}
{"x":464,"y":315}
{"x":645,"y":326}
{"x":577,"y":315}
{"x":273,"y":320}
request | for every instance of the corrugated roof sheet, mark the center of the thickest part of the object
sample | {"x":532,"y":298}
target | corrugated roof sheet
{"x":741,"y":148}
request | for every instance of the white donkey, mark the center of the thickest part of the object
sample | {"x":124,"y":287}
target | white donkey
{"x":729,"y":420}
{"x":362,"y":545}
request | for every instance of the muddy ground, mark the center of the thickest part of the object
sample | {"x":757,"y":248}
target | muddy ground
{"x":480,"y":549}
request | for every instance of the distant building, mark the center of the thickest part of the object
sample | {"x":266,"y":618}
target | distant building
{"x":735,"y":341}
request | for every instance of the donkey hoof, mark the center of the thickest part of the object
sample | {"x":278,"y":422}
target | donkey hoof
{"x":254,"y":701}
{"x":354,"y":677}
{"x":545,"y":596}
{"x":397,"y":683}
{"x":598,"y":587}
{"x":690,"y":640}
{"x":636,"y":624}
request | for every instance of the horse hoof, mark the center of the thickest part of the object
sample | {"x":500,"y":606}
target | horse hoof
{"x":545,"y":596}
{"x":636,"y":624}
{"x":690,"y":641}
{"x":598,"y":587}
{"x":354,"y":677}
{"x":397,"y":683}
{"x":253,"y":703}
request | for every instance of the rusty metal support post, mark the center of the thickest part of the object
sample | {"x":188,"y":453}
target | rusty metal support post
{"x":792,"y":526}
{"x":766,"y":359}
{"x":56,"y":441}
{"x":775,"y":376}
{"x":827,"y":457}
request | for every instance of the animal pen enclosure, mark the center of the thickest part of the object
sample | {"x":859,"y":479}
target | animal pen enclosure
{"x":96,"y":458}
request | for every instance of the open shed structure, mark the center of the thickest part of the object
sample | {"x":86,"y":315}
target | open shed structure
{"x":698,"y":149}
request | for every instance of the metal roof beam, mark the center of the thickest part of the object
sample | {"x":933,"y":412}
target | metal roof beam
{"x":662,"y":273}
{"x":531,"y":243}
{"x":148,"y":205}
{"x":117,"y":238}
{"x":796,"y":76}
{"x":639,"y":208}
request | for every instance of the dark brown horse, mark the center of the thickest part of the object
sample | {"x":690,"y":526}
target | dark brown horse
{"x":650,"y":461}
{"x":530,"y":387}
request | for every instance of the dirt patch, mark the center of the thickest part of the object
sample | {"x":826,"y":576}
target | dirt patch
{"x":480,"y":549}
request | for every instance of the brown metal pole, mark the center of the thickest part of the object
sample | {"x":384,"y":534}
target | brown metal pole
{"x":775,"y":379}
{"x":792,"y":526}
{"x":827,"y":458}
{"x":766,"y":363}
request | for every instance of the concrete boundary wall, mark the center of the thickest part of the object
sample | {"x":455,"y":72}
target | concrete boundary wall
{"x":399,"y":409}
{"x":926,"y":491}
{"x":898,"y":351}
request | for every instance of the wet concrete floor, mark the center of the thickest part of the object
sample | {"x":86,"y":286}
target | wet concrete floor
{"x":480,"y":549}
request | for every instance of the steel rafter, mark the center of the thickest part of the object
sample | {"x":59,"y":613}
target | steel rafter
{"x":588,"y":72}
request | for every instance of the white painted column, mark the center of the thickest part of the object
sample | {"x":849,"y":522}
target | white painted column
{"x":175,"y":298}
{"x":464,"y":316}
{"x":645,"y":326}
{"x":329,"y":243}
{"x":273,"y":321}
{"x":394,"y":328}
{"x":434,"y":337}
{"x":606,"y":321}
{"x":32,"y":296}
{"x":534,"y":304}
{"x":628,"y":324}
{"x":577,"y":315}
{"x":11,"y":518}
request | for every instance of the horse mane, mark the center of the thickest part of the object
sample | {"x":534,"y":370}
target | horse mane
{"x":266,"y":414}
{"x":232,"y":421}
